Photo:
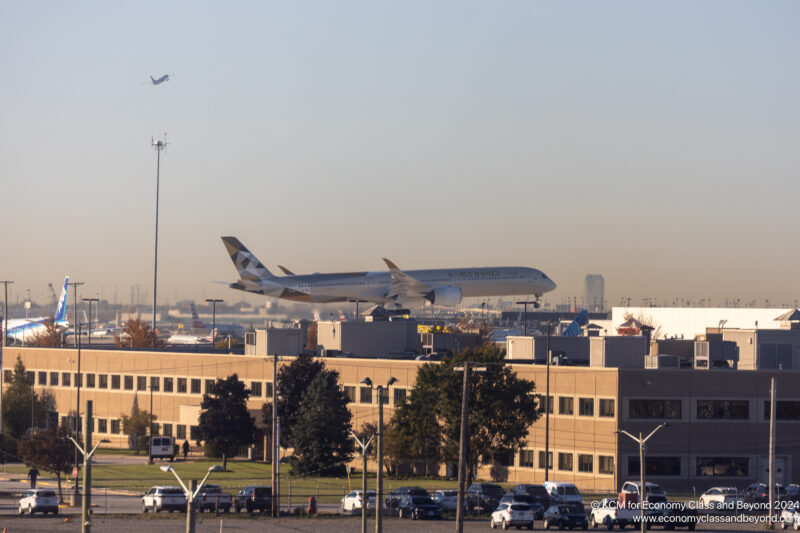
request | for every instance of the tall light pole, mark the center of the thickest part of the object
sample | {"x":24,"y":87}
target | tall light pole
{"x":364,"y":497}
{"x":547,"y":411}
{"x":75,"y":285}
{"x":525,"y":304}
{"x":87,"y":467}
{"x":78,"y":382}
{"x":2,"y":346}
{"x":89,"y":328}
{"x":379,"y":467}
{"x":463,"y":444}
{"x":159,"y":146}
{"x":642,"y":487}
{"x":192,"y":493}
{"x":213,"y":303}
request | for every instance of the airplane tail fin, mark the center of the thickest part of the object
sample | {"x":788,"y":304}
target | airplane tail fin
{"x":574,"y":329}
{"x":248,"y":266}
{"x":196,"y":322}
{"x":61,"y":309}
{"x":152,"y":79}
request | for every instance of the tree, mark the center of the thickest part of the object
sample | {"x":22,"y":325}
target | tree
{"x":138,"y":334}
{"x":225,"y":423}
{"x":49,"y":450}
{"x":321,"y":435}
{"x":135,"y":426}
{"x":293,"y":380}
{"x":22,"y":406}
{"x":415,"y":429}
{"x":501,"y":405}
{"x":311,"y":343}
{"x":49,"y":337}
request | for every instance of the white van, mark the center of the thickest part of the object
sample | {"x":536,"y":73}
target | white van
{"x":561,"y":492}
{"x":162,"y":448}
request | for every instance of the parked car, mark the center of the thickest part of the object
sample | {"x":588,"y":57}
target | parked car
{"x":607,"y":513}
{"x":38,"y":501}
{"x":536,"y":508}
{"x":759,"y":493}
{"x":561,"y":492}
{"x":565,"y":516}
{"x":512,"y":514}
{"x":353,"y":502}
{"x":211,"y":498}
{"x":719,"y":497}
{"x":254,"y":497}
{"x":532,"y":493}
{"x":164,"y":498}
{"x":791,"y":492}
{"x":417,"y":507}
{"x":447,"y":500}
{"x":392,"y":501}
{"x":653,"y":491}
{"x":484,"y":497}
{"x":790,"y":517}
{"x":677,"y":515}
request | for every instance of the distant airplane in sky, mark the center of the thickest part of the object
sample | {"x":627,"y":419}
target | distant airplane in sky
{"x":440,"y":286}
{"x":24,"y":329}
{"x":160,"y":80}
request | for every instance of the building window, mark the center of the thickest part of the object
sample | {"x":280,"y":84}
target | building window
{"x":605,"y":464}
{"x":505,"y":458}
{"x":102,"y":425}
{"x":564,"y":405}
{"x":7,"y":376}
{"x":115,"y":381}
{"x":154,"y":383}
{"x":31,"y":375}
{"x":722,"y":466}
{"x":195,"y":386}
{"x":723,"y":409}
{"x":167,"y":430}
{"x":350,"y":393}
{"x":268,"y":389}
{"x":255,"y":389}
{"x":194,"y":433}
{"x":182,"y":385}
{"x":526,"y":458}
{"x":210,"y":386}
{"x":399,"y":396}
{"x":141,"y":383}
{"x":42,"y":378}
{"x":102,"y":380}
{"x":366,"y":395}
{"x":53,"y":379}
{"x":784,"y":410}
{"x":543,"y":404}
{"x":180,"y":431}
{"x":655,"y":466}
{"x":565,"y":461}
{"x":115,"y":426}
{"x":585,"y":463}
{"x":669,"y":409}
{"x":78,"y":379}
{"x":168,"y":384}
{"x":90,"y":381}
{"x":66,"y":378}
{"x":549,"y":460}
{"x":586,"y":406}
{"x":128,"y":382}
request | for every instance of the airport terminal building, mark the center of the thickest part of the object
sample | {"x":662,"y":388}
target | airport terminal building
{"x":717,"y":433}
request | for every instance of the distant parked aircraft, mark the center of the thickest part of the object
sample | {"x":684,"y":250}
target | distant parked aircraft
{"x":440,"y":287}
{"x":222,"y":329}
{"x":24,"y":329}
{"x":160,"y":80}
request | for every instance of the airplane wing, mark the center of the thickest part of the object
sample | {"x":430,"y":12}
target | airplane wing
{"x":404,"y":285}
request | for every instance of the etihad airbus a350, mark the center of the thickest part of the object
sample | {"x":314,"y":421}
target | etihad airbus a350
{"x":445,"y":287}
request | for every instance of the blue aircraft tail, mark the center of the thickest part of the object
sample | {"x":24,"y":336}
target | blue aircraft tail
{"x":61,"y":309}
{"x":574,"y":329}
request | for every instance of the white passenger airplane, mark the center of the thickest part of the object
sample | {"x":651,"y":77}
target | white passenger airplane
{"x":160,"y":80}
{"x":444,"y":287}
{"x":24,"y":329}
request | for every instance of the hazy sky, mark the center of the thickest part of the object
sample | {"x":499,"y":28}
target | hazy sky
{"x":654,"y":143}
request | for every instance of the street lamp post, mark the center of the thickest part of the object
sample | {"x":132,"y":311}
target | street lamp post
{"x":525,"y":304}
{"x":87,"y":467}
{"x":78,"y":382}
{"x":159,"y":146}
{"x":364,"y":497}
{"x":89,"y":329}
{"x":642,"y":487}
{"x":213,"y":303}
{"x":379,"y":467}
{"x":6,"y":283}
{"x":547,"y":411}
{"x":192,"y":493}
{"x":463,"y":444}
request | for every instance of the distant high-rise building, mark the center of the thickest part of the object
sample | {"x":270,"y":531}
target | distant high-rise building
{"x":595,"y":293}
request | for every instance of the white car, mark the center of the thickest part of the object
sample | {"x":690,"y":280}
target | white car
{"x":38,"y":501}
{"x":164,"y":498}
{"x":725,"y":497}
{"x":447,"y":499}
{"x":512,"y":514}
{"x":352,"y":502}
{"x":790,"y":517}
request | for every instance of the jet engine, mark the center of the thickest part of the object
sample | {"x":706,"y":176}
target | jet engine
{"x":446,"y":296}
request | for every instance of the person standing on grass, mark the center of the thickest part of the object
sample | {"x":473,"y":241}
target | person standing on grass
{"x":185,"y":449}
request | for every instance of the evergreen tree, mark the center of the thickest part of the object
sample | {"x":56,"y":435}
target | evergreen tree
{"x":225,"y":423}
{"x":321,"y":434}
{"x":293,"y":380}
{"x":22,"y":405}
{"x":135,"y":426}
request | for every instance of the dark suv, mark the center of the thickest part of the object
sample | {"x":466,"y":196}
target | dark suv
{"x":418,"y":507}
{"x":392,"y":502}
{"x":759,"y":493}
{"x":532,"y":494}
{"x":254,"y":497}
{"x":484,"y":497}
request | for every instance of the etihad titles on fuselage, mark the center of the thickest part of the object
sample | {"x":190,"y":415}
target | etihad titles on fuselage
{"x":438,"y":286}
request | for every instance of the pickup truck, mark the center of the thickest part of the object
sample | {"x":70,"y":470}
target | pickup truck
{"x":212,"y":498}
{"x":606,"y":513}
